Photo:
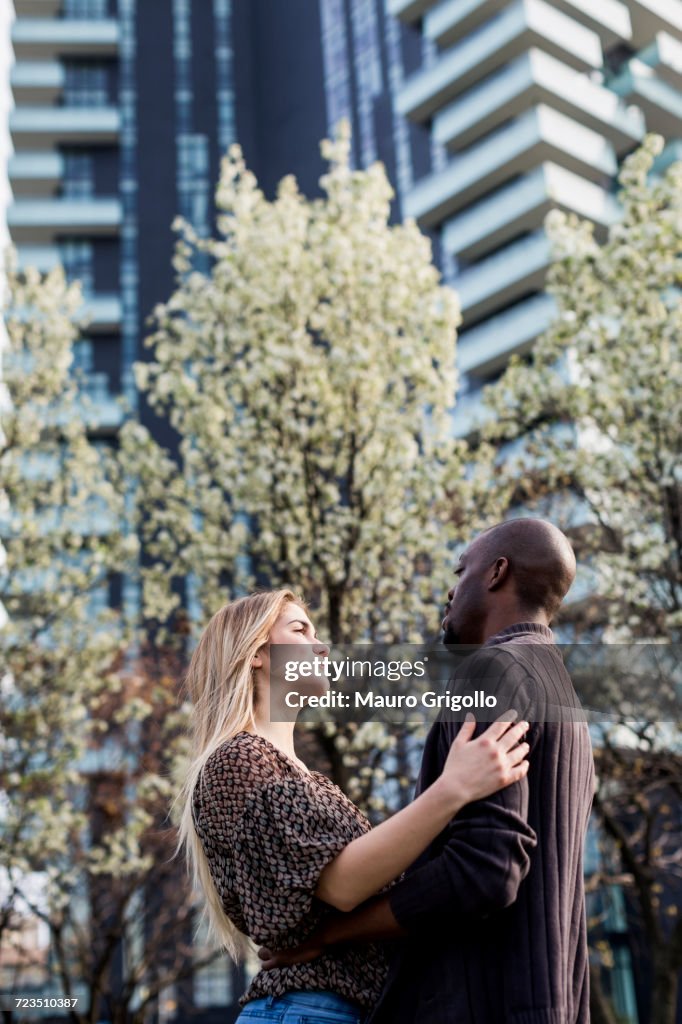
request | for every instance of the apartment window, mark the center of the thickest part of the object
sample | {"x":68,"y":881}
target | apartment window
{"x":85,"y":8}
{"x":76,"y":258}
{"x":86,"y":84}
{"x":79,"y":175}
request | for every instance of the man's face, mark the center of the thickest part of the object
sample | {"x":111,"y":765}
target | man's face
{"x":468,"y":601}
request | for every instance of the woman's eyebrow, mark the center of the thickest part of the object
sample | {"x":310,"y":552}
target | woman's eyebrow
{"x":305,"y":624}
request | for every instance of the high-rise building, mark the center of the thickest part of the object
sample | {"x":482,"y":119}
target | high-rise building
{"x":536,"y":102}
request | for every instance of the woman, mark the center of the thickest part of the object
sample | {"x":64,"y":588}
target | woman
{"x":274,"y":846}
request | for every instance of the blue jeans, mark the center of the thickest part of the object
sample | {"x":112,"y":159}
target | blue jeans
{"x":304,"y":1007}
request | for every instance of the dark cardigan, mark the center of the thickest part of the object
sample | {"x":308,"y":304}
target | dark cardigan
{"x":495,"y":906}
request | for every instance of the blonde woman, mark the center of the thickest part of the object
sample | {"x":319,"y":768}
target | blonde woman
{"x":274,"y":846}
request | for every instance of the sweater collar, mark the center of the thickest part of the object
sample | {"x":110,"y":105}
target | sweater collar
{"x":541,"y":634}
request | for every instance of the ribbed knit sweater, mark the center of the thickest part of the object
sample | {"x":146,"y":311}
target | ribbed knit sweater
{"x":495,"y":907}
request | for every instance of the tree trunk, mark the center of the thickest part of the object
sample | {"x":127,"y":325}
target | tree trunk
{"x":664,"y":990}
{"x":601,"y":1011}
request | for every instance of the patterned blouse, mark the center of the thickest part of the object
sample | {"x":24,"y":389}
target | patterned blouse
{"x":268,"y":828}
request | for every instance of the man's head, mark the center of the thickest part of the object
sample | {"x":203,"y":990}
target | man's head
{"x":517,"y":571}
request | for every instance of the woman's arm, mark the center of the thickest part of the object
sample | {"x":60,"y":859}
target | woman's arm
{"x":473,"y":769}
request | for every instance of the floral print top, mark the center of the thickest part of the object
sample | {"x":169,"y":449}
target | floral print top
{"x":268,"y":828}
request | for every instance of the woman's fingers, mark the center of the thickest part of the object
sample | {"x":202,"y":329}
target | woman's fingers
{"x":500,"y":725}
{"x":512,"y":736}
{"x":518,"y":753}
{"x":467,"y":729}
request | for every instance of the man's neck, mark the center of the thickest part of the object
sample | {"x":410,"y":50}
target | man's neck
{"x":511,"y":617}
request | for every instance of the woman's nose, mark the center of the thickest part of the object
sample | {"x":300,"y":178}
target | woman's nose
{"x":321,"y":649}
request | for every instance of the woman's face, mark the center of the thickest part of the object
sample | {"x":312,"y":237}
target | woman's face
{"x":295,"y":641}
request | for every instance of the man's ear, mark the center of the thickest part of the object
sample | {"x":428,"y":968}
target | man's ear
{"x":499,"y":573}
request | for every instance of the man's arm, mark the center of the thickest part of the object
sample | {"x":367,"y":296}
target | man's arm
{"x":373,"y":920}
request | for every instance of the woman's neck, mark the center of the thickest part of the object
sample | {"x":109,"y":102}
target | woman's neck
{"x":279,"y":733}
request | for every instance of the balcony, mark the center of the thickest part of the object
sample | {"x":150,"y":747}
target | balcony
{"x":486,"y":348}
{"x":537,"y":78}
{"x":504,"y":277}
{"x":409,"y":10}
{"x":50,"y":38}
{"x":665,"y":56}
{"x":37,"y":81}
{"x":539,"y":135}
{"x":103,"y":312}
{"x":35,"y":174}
{"x":660,"y":102}
{"x":42,"y":220}
{"x":43,"y":257}
{"x":652,"y":16}
{"x":41,"y":127}
{"x":610,"y":19}
{"x":522,"y":206}
{"x":525,"y":24}
{"x":452,"y":20}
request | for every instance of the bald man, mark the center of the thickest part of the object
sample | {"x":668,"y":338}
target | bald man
{"x":489,"y":923}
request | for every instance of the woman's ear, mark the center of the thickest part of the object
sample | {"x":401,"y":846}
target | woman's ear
{"x":257,"y":661}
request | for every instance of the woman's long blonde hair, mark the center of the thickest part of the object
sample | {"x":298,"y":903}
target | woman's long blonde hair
{"x":219,"y":683}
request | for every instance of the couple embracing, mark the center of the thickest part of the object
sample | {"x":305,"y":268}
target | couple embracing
{"x":465,"y":907}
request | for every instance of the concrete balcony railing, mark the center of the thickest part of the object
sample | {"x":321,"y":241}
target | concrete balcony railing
{"x":538,"y":136}
{"x":43,"y":257}
{"x":37,"y":81}
{"x":39,"y":127}
{"x":49,"y":38}
{"x":514,"y":271}
{"x":664,"y":54}
{"x":533,"y":78}
{"x":652,"y":16}
{"x":409,"y":10}
{"x":103,"y":312}
{"x":660,"y":102}
{"x":522,"y":206}
{"x":486,"y":348}
{"x":610,"y":19}
{"x":515,"y":30}
{"x":450,"y":21}
{"x":42,"y":220}
{"x":32,"y":174}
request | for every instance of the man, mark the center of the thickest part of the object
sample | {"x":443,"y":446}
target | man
{"x":489,"y":922}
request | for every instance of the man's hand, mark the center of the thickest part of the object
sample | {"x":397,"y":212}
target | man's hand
{"x":301,"y":954}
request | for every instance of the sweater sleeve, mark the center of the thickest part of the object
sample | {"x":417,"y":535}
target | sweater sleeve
{"x":480,"y":859}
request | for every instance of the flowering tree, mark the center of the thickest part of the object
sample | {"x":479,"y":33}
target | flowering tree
{"x":589,"y":425}
{"x":309,"y":374}
{"x":81,"y":788}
